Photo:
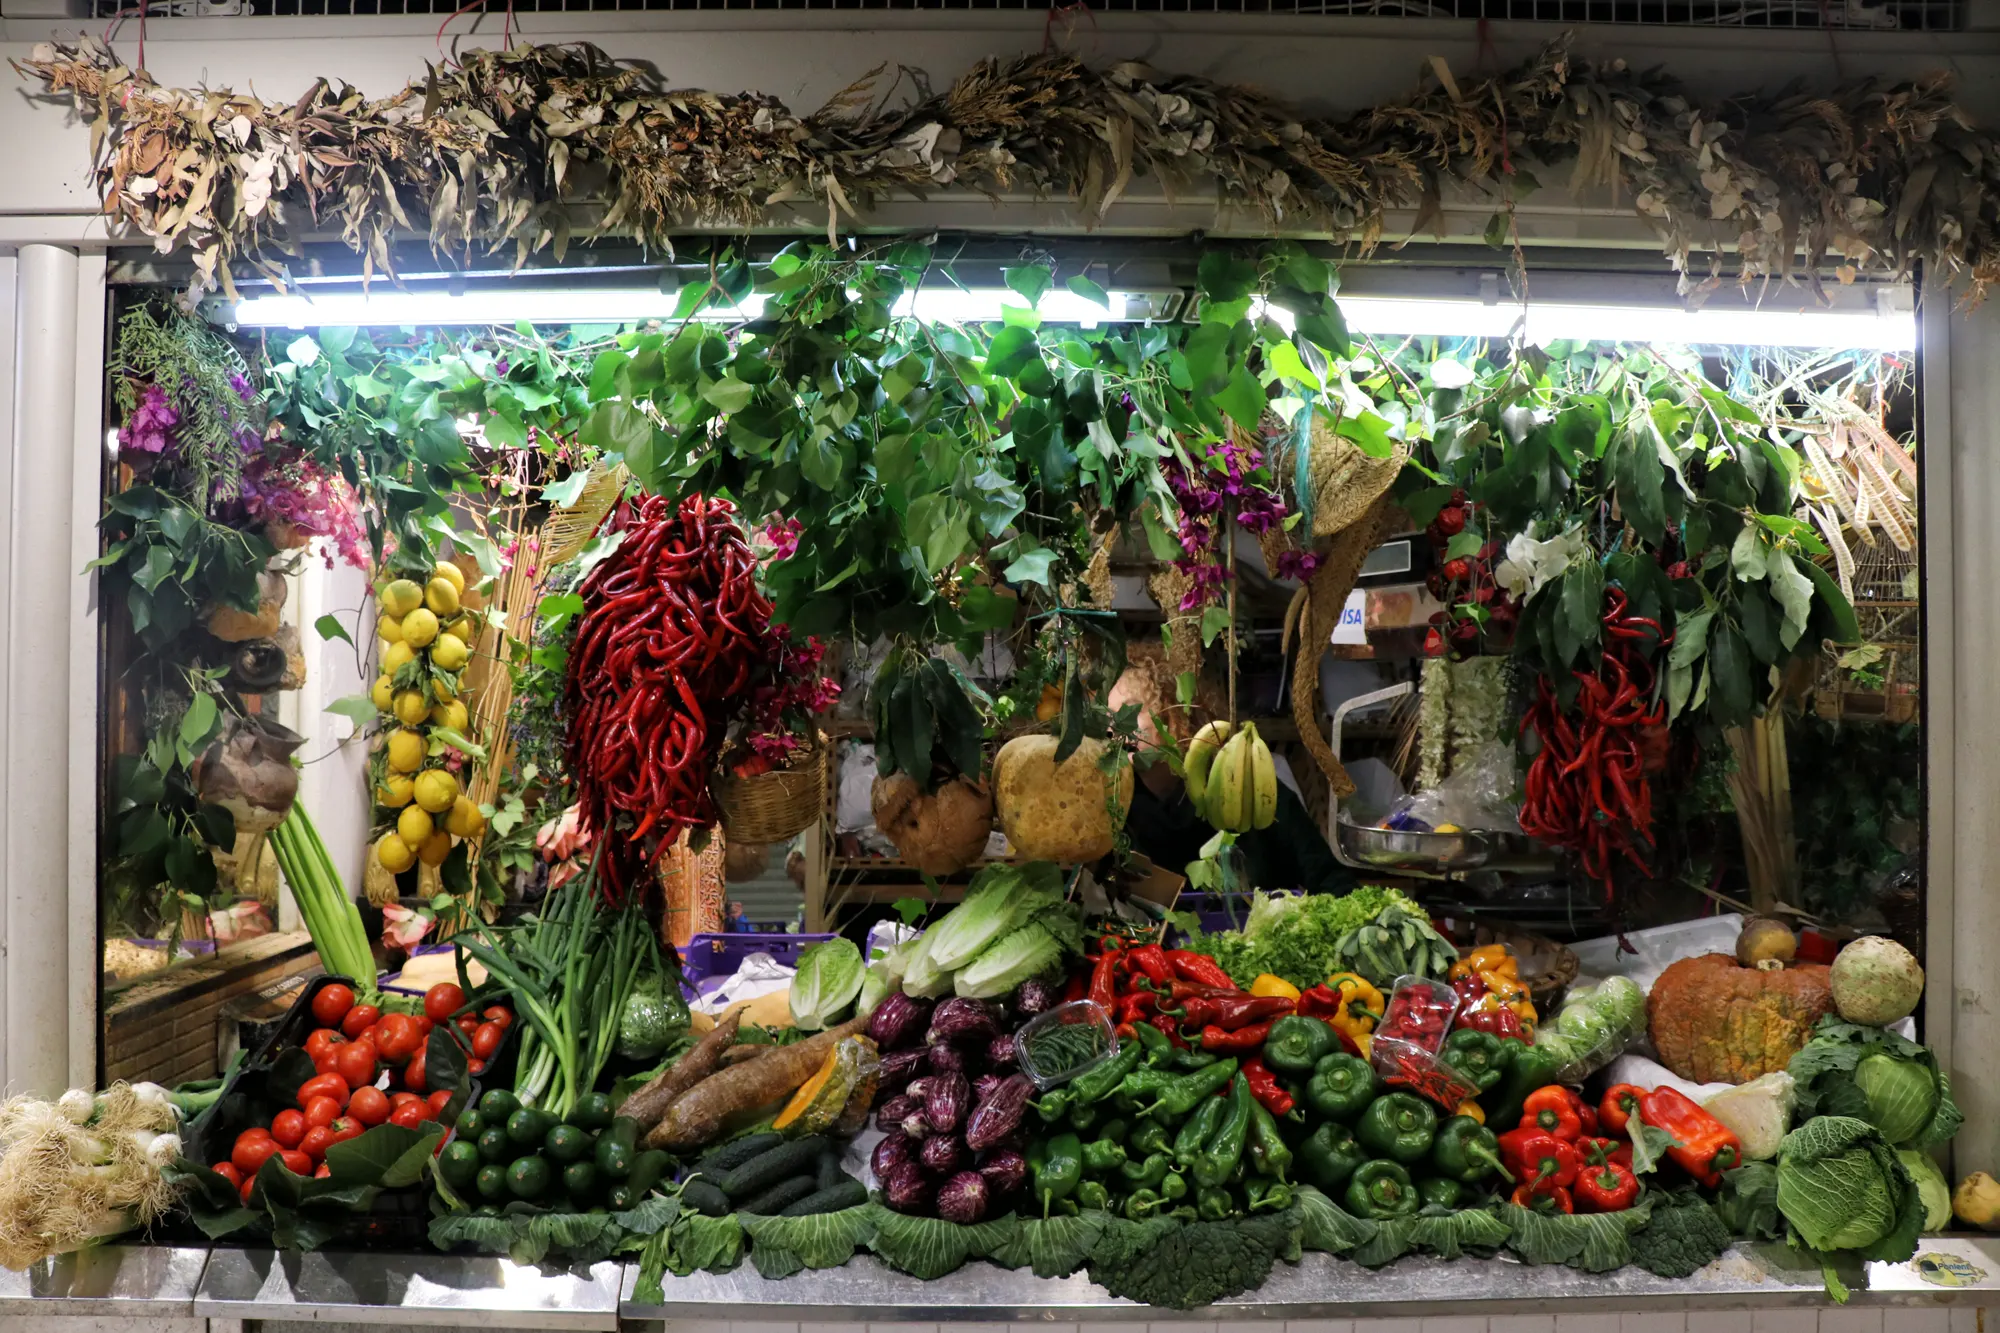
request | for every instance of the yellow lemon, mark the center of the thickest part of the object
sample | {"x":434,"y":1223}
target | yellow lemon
{"x":395,"y":791}
{"x":419,"y":628}
{"x":441,"y":596}
{"x":394,"y":854}
{"x":441,"y":691}
{"x":451,"y":574}
{"x":451,"y":714}
{"x":407,"y":750}
{"x":410,"y":708}
{"x":462,"y":628}
{"x":448,"y":653}
{"x":435,"y":849}
{"x":436,"y":790}
{"x":389,"y":629}
{"x":381,"y":694}
{"x":465,"y":819}
{"x":414,"y":825}
{"x":396,"y":656}
{"x":401,"y":597}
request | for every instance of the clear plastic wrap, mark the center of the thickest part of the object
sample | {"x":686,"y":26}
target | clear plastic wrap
{"x":1596,"y":1024}
{"x":1405,"y":1049}
{"x":1479,"y":795}
{"x":1055,"y":1047}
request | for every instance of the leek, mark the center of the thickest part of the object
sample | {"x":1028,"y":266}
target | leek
{"x":331,"y":918}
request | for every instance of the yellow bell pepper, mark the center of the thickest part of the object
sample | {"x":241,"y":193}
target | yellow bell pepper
{"x":1486,"y":958}
{"x":1360,"y":1004}
{"x":1471,"y":1108}
{"x":1268,"y":986}
{"x":1509,"y":991}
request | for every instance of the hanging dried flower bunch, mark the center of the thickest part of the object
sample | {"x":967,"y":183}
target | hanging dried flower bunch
{"x":525,"y":148}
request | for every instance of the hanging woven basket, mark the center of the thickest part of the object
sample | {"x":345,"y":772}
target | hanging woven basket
{"x":772,"y":807}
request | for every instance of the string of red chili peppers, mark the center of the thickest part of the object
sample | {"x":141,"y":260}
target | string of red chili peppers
{"x":1590,"y":787}
{"x":672,"y":632}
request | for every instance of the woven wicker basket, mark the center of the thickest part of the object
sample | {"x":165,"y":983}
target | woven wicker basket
{"x":774,"y":806}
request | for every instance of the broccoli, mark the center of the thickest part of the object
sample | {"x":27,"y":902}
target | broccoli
{"x":1184,"y":1265}
{"x":1682,"y":1235}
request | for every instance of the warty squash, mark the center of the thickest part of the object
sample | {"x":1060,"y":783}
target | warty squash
{"x":1713,"y":1020}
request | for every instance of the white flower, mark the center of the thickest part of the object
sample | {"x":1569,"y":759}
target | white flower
{"x":1530,"y":563}
{"x":1449,"y":374}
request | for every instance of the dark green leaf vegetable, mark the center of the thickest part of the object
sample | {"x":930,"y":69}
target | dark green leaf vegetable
{"x":1181,"y":1267}
{"x":1748,"y":1202}
{"x":1683,"y":1234}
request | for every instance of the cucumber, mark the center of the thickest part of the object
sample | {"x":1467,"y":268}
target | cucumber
{"x":780,"y":1196}
{"x":760,"y":1173}
{"x":849,"y":1193}
{"x":701,"y":1195}
{"x":829,"y":1173}
{"x":735,"y":1153}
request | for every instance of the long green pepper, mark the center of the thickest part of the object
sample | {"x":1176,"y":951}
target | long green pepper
{"x":1224,"y":1152}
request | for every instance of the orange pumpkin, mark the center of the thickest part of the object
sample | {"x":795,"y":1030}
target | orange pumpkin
{"x":1713,"y":1020}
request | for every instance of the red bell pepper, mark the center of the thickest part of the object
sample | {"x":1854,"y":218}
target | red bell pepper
{"x":1586,"y":1114}
{"x":1555,"y":1200}
{"x":1620,"y":1100}
{"x":1607,"y":1189}
{"x":1552,"y":1110}
{"x":1544,"y":1159}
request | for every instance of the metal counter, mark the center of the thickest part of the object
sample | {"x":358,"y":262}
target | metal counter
{"x":453,"y":1291}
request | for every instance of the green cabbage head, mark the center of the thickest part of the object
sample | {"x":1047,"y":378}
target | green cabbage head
{"x":827,"y":983}
{"x":1902,"y":1095}
{"x":1841,"y":1188}
{"x":1931,"y":1187}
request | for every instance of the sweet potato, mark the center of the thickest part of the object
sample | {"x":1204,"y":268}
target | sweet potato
{"x":698,"y":1114}
{"x":649,"y":1103}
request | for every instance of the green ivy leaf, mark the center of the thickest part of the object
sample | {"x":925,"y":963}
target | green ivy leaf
{"x":729,"y":394}
{"x":1030,"y":280}
{"x":1088,"y":290}
{"x":1243,"y":399}
{"x":1010,"y":351}
{"x":1224,"y":275}
{"x":329,"y":627}
{"x":1030,"y":566}
{"x":197,"y":723}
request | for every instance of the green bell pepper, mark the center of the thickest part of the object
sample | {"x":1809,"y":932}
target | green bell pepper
{"x":1197,"y":1130}
{"x":1342,"y":1086}
{"x":1480,"y":1057}
{"x":1174,"y":1186}
{"x":1148,"y":1174}
{"x":1147,"y":1139}
{"x":1465,"y":1150}
{"x":1532,"y":1067}
{"x":1094,"y":1085}
{"x":1328,"y":1157}
{"x":1092,"y":1194}
{"x":1058,"y":1171}
{"x":1142,"y":1204}
{"x":1115,"y":1129}
{"x":1269,"y":1196}
{"x":1102,"y":1155}
{"x":1381,"y":1190}
{"x":1214,"y":1204}
{"x":1185,"y":1092}
{"x":1223,"y":1153}
{"x":1397,"y":1125}
{"x":1439,"y":1191}
{"x":1269,"y":1153}
{"x":1082,"y":1116}
{"x":1296,"y":1043}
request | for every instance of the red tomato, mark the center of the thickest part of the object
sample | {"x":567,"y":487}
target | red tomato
{"x":401,"y":1098}
{"x":322,"y":1171}
{"x":359,"y":1019}
{"x":437,"y":1100}
{"x":369,"y":1105}
{"x":411,"y":1114}
{"x":244,"y":1189}
{"x":324,"y":1085}
{"x":424,"y":1028}
{"x":396,"y":1037}
{"x":442,"y":1001}
{"x":320,"y":1040}
{"x":475,"y":1066}
{"x":487,"y":1040}
{"x":328,"y":1063}
{"x":468,"y":1024}
{"x":228,"y":1171}
{"x":414,"y":1072}
{"x":345,"y":1128}
{"x":498,"y":1013}
{"x":315,"y":1142}
{"x":288,"y":1127}
{"x":356,"y":1063}
{"x":251,"y":1153}
{"x":321,"y":1112}
{"x":331,"y":1004}
{"x":296,"y":1162}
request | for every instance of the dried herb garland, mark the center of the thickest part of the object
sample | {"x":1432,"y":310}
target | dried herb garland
{"x":529,"y":146}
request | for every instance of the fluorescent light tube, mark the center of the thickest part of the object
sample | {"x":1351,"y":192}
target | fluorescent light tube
{"x":542,"y":305}
{"x":1718,"y":323}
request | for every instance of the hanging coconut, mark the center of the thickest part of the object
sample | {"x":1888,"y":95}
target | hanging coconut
{"x":940,"y":833}
{"x":234,"y":626}
{"x":248,"y":771}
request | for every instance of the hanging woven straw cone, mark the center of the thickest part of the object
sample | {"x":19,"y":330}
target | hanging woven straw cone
{"x":1325,"y":596}
{"x":1346,"y":482}
{"x":1167,"y":586}
{"x":569,"y":530}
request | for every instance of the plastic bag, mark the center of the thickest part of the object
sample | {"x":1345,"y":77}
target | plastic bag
{"x":1480,"y":794}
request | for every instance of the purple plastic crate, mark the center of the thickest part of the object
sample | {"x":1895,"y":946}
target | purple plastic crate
{"x":718,"y":955}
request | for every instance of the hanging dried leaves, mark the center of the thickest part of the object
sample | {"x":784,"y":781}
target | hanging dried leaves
{"x":528,"y":147}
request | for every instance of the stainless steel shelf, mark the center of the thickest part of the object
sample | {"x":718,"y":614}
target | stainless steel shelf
{"x":414,"y":1290}
{"x":143,"y":1281}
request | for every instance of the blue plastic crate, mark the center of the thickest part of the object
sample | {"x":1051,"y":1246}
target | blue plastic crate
{"x":718,"y":955}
